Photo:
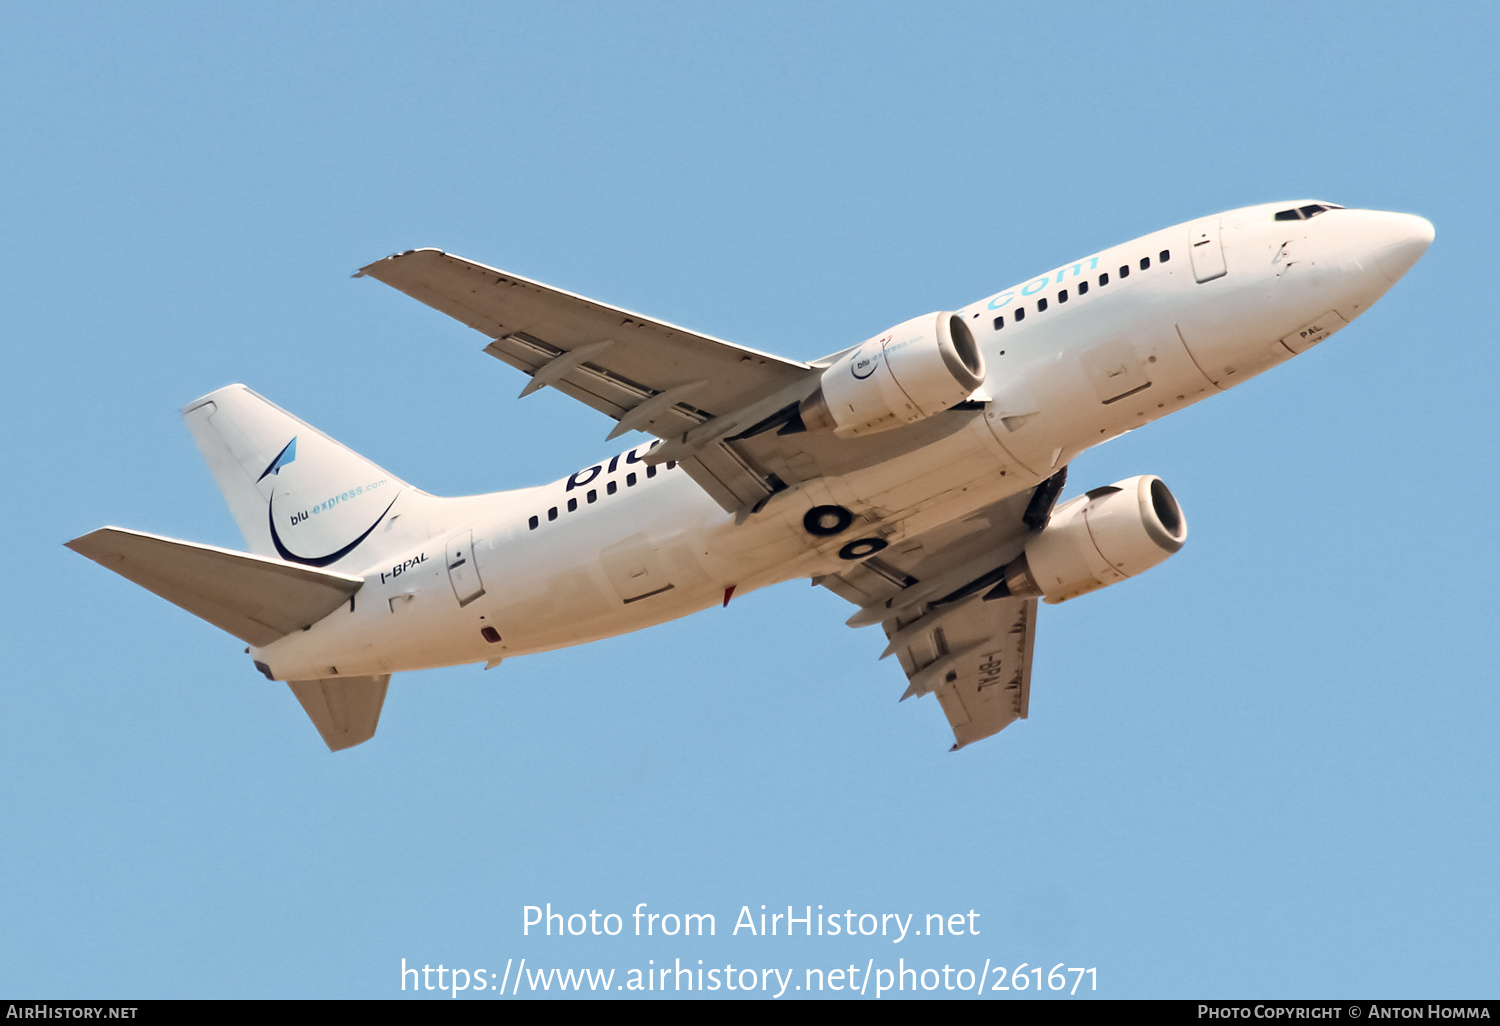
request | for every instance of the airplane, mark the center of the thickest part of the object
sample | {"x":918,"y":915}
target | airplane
{"x":916,"y":474}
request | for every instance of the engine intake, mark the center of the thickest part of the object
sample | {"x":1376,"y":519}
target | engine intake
{"x":916,"y":369}
{"x":1099,"y":539}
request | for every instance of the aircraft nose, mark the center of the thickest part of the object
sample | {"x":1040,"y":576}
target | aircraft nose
{"x":1398,"y":241}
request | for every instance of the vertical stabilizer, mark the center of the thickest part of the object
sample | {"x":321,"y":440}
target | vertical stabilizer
{"x":295,"y":493}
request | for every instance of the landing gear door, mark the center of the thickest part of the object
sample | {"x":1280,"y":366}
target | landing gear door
{"x":1206,"y":249}
{"x":463,"y":573}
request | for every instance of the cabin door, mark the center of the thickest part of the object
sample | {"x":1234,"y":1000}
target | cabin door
{"x":463,"y":573}
{"x":1206,"y":250}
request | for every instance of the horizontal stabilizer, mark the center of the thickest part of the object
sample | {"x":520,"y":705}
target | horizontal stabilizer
{"x":344,"y":709}
{"x":255,"y":598}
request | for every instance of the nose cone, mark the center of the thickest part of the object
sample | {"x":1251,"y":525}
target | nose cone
{"x":1399,"y":240}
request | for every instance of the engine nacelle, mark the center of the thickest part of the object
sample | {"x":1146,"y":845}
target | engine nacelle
{"x":1098,"y":539}
{"x":903,"y":375}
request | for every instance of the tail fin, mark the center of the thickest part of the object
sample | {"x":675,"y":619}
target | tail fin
{"x":295,"y":493}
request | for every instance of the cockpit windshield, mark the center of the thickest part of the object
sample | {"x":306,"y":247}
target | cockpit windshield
{"x":1303,"y":213}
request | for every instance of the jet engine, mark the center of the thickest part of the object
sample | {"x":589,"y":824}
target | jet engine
{"x":916,"y":369}
{"x":1098,"y":539}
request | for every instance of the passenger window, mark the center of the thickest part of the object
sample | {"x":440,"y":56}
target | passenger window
{"x":1062,"y":297}
{"x":630,"y":480}
{"x":1164,"y":255}
{"x":671,"y":464}
{"x":1083,"y":288}
{"x":651,"y":470}
{"x":1124,"y":270}
{"x":1145,"y":263}
{"x":552,"y":513}
{"x":1041,"y":304}
{"x":593,"y":495}
{"x":1104,"y":278}
{"x":533,"y":522}
{"x":612,"y":487}
{"x":572,"y":505}
{"x":1020,"y":314}
{"x":999,"y":322}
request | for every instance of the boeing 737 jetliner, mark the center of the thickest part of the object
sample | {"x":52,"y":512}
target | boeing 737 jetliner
{"x":916,"y":474}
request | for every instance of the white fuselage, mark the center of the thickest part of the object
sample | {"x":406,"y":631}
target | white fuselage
{"x":621,"y":546}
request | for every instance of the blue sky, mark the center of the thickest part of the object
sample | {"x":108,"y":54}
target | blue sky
{"x":1267,"y":768}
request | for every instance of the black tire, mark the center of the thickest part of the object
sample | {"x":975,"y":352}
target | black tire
{"x":862,"y":548}
{"x":827,"y":521}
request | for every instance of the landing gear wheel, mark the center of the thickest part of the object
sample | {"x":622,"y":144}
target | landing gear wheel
{"x":862,"y":548}
{"x":827,"y":521}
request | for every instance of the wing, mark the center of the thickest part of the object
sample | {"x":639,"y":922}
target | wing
{"x":716,"y":403}
{"x":983,"y":679}
{"x":930,"y":596}
{"x":647,"y":374}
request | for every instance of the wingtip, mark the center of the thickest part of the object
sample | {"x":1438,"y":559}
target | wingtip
{"x":80,"y":544}
{"x":364,"y":272}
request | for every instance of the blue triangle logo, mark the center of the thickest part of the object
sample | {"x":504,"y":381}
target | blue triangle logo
{"x":286,"y":456}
